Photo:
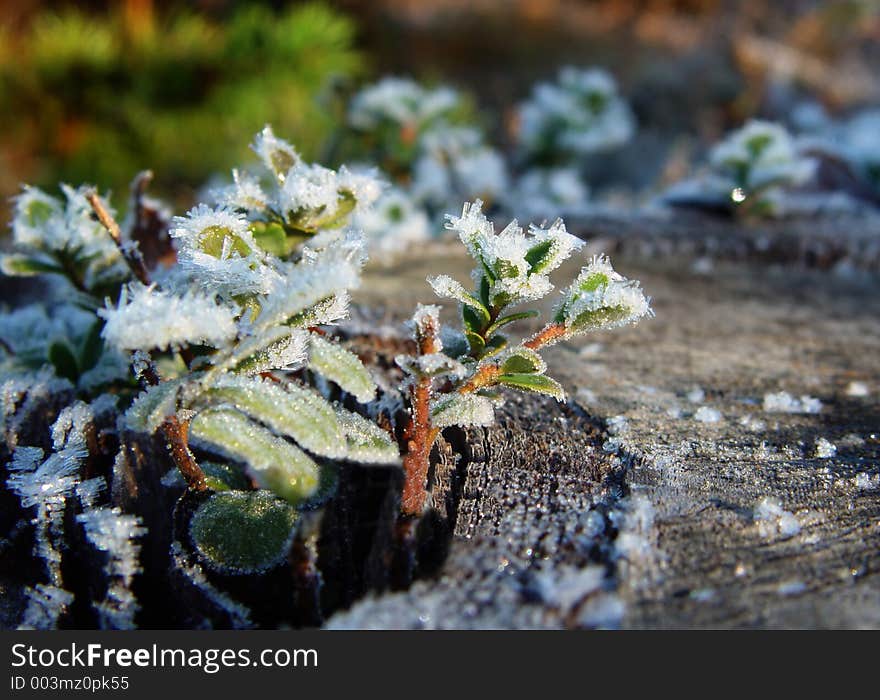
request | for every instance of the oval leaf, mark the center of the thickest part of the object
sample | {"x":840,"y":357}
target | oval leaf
{"x":243,"y":532}
{"x":334,"y":362}
{"x":537,"y":383}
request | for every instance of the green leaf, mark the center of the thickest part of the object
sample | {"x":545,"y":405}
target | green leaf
{"x":26,"y":266}
{"x":445,"y":286}
{"x":243,"y":532}
{"x":289,"y":410}
{"x":495,"y":345}
{"x":334,"y":362}
{"x":63,"y":359}
{"x":92,"y":346}
{"x":504,"y":320}
{"x":275,"y":348}
{"x":366,"y":441}
{"x":539,"y":255}
{"x":271,"y":238}
{"x":476,"y":342}
{"x":474,"y":320}
{"x":273,"y":462}
{"x":152,"y":406}
{"x":523,"y":361}
{"x":538,"y":383}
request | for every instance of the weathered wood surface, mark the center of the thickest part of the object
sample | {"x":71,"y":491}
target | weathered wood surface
{"x":674,"y":533}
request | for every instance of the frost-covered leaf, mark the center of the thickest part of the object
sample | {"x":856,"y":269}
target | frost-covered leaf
{"x":366,"y":441}
{"x":219,"y":476}
{"x":334,"y":362}
{"x":288,"y":409}
{"x":18,"y":265}
{"x":463,"y":410}
{"x":152,"y":406}
{"x":455,"y":343}
{"x":275,"y":348}
{"x":446,"y":287}
{"x":523,"y":360}
{"x":537,"y":383}
{"x":243,"y":532}
{"x":272,"y":461}
{"x":476,"y":342}
{"x":600,"y":298}
{"x":433,"y":364}
{"x":277,"y":154}
{"x":147,"y":317}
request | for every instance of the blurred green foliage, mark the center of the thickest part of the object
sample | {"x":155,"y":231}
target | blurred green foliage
{"x":98,"y":97}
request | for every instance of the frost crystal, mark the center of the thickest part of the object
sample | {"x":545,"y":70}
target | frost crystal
{"x":515,"y":264}
{"x":463,"y":410}
{"x":46,"y":604}
{"x":600,"y":298}
{"x":825,"y":449}
{"x":110,"y":531}
{"x":774,"y":521}
{"x":704,"y":414}
{"x":783,"y":402}
{"x":147,"y":317}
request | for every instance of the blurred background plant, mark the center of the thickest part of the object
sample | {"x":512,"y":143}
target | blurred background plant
{"x":448,"y":97}
{"x":92,"y":95}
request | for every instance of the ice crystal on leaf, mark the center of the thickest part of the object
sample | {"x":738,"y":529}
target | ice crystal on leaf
{"x":149,"y":318}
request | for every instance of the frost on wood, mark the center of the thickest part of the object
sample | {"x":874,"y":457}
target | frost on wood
{"x":113,"y":532}
{"x":783,"y":402}
{"x":773,"y":521}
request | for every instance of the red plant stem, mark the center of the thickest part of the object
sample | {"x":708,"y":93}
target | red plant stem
{"x":549,"y":333}
{"x":176,"y":432}
{"x":419,"y":434}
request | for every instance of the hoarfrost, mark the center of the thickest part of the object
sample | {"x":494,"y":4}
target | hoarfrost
{"x":704,"y":414}
{"x":783,"y":402}
{"x":825,"y":449}
{"x":773,"y":521}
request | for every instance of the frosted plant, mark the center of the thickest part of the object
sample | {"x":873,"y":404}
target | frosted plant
{"x":454,"y":164}
{"x":750,"y":170}
{"x":580,"y":114}
{"x":394,"y":114}
{"x":546,"y":193}
{"x":393,"y":224}
{"x":51,"y":236}
{"x":454,"y":375}
{"x":230,"y":245}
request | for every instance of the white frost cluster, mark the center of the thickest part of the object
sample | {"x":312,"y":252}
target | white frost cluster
{"x":393,"y":224}
{"x":402,"y":102}
{"x":147,"y":317}
{"x":505,"y":255}
{"x":758,"y":156}
{"x":218,"y":252}
{"x":773,"y":521}
{"x":783,"y":402}
{"x":825,"y":449}
{"x":581,"y":113}
{"x":704,"y":414}
{"x":455,"y":165}
{"x":111,"y":531}
{"x":547,"y":193}
{"x":43,"y":223}
{"x":600,"y":298}
{"x":463,"y":410}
